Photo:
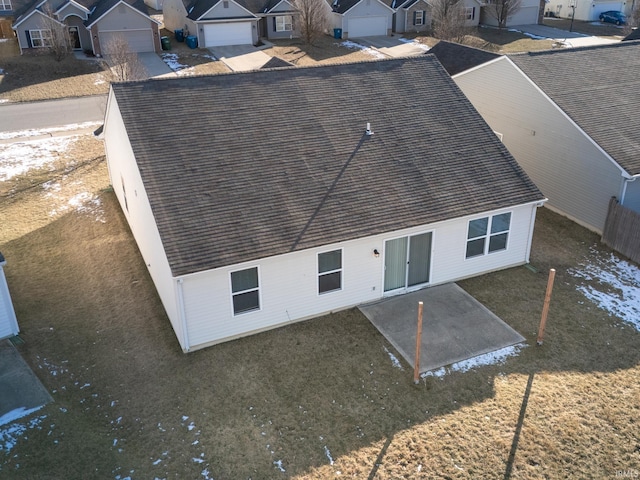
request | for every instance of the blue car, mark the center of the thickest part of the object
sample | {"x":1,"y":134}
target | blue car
{"x":613,"y":16}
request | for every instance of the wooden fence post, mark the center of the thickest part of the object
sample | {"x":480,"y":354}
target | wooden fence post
{"x":416,"y":364}
{"x":545,"y":308}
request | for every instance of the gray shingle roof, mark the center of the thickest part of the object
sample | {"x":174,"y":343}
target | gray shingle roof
{"x":599,"y":88}
{"x":456,"y":58}
{"x":244,"y":166}
{"x":634,"y":35}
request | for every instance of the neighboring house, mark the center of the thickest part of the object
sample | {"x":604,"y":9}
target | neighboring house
{"x":8,"y":321}
{"x":528,"y":14}
{"x":362,"y":18}
{"x":8,"y":9}
{"x":570,"y":118}
{"x":91,"y":24}
{"x":411,"y":16}
{"x":231,"y":22}
{"x":456,"y":58}
{"x":585,"y":10}
{"x":263,"y":206}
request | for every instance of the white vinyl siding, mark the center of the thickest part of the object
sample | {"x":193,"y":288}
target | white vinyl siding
{"x":289,"y":283}
{"x":572,"y":172}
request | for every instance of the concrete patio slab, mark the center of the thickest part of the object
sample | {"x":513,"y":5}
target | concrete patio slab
{"x":455,"y":326}
{"x":19,"y":386}
{"x":241,"y":58}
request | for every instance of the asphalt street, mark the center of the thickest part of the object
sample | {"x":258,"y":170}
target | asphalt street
{"x":51,"y":113}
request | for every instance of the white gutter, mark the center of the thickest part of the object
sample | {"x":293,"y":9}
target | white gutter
{"x":183,"y":315}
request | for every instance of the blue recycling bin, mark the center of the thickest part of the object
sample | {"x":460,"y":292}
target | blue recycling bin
{"x":337,"y":33}
{"x":192,"y":41}
{"x":179,"y":35}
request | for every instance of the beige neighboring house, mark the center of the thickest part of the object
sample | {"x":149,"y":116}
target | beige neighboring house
{"x":528,"y":14}
{"x":586,"y":10}
{"x":91,"y":24}
{"x":570,"y":118}
{"x":360,"y":18}
{"x":412,"y":16}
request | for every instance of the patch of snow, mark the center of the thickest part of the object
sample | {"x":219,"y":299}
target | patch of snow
{"x":197,"y":460}
{"x":278,"y":463}
{"x":9,"y":436}
{"x":491,"y":358}
{"x":18,"y":158}
{"x":4,"y":100}
{"x":394,"y":360}
{"x":328,"y":454}
{"x":205,"y":474}
{"x":172,"y":61}
{"x":618,"y":286}
{"x":356,"y":46}
{"x":16,"y":414}
{"x":413,"y":42}
{"x":36,"y":132}
{"x":157,"y":462}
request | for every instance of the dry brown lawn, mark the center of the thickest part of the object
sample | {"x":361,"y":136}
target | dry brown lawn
{"x":317,"y":399}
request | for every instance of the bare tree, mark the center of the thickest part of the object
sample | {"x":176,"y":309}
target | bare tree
{"x":58,"y":40}
{"x":124,"y":63}
{"x":502,"y":10}
{"x":312,"y":18}
{"x":449,"y":21}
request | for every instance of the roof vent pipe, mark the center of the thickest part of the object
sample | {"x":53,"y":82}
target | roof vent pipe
{"x":368,"y":130}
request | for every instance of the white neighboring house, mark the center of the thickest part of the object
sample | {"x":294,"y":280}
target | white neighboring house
{"x":585,"y":10}
{"x":246,"y":224}
{"x":361,"y":18}
{"x":570,"y":118}
{"x":8,"y":321}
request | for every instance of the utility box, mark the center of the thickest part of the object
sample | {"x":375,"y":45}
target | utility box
{"x":8,"y":320}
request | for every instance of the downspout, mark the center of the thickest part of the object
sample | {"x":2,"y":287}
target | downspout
{"x":183,"y":315}
{"x":532,"y":222}
{"x":626,"y":181}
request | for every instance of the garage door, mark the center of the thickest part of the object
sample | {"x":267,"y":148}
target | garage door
{"x":367,"y":26}
{"x":218,"y":34}
{"x":138,"y":40}
{"x":598,"y":8}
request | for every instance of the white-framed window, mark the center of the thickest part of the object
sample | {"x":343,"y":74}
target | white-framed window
{"x":40,"y":38}
{"x":330,"y":271}
{"x":284,"y":23}
{"x":488,"y":234}
{"x":5,"y":5}
{"x":418,"y":17}
{"x":469,"y":13}
{"x":245,"y":290}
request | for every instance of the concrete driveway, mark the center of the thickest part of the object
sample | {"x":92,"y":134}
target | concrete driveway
{"x":241,"y":58}
{"x":155,"y":66}
{"x":392,"y":46}
{"x":570,"y":39}
{"x":455,"y":326}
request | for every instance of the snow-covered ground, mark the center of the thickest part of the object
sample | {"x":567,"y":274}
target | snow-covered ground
{"x":368,"y":50}
{"x":612,"y":284}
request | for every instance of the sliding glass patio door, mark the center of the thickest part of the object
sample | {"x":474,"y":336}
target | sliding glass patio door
{"x":407,"y":261}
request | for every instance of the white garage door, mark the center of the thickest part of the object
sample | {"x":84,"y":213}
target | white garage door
{"x":218,"y":34}
{"x":598,"y":8}
{"x":367,"y":26}
{"x":138,"y":40}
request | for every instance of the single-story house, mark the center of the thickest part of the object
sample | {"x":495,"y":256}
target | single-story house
{"x":344,"y":190}
{"x":232,"y":22}
{"x":8,"y":321}
{"x":570,"y":118}
{"x":363,"y":18}
{"x":585,"y":10}
{"x":529,"y":13}
{"x":91,"y":25}
{"x":411,"y":16}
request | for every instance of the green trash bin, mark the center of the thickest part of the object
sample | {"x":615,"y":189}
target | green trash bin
{"x":166,"y":44}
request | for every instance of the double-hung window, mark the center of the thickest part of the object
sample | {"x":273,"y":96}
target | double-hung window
{"x":5,"y":5}
{"x":245,"y":290}
{"x":418,"y":17}
{"x":284,"y":23}
{"x":40,"y":38}
{"x":329,"y":271}
{"x":488,"y":234}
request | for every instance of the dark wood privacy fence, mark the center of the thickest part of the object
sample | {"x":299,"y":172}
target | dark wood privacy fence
{"x":622,"y":230}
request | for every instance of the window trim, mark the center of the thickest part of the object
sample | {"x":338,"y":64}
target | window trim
{"x":283,"y":23}
{"x":41,"y":37}
{"x":488,"y":235}
{"x":233,"y":294}
{"x":6,"y":5}
{"x":419,"y":15}
{"x":469,"y":13}
{"x":319,"y":274}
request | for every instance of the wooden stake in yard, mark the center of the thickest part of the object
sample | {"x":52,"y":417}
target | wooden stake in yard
{"x":416,"y":364}
{"x":545,"y":308}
